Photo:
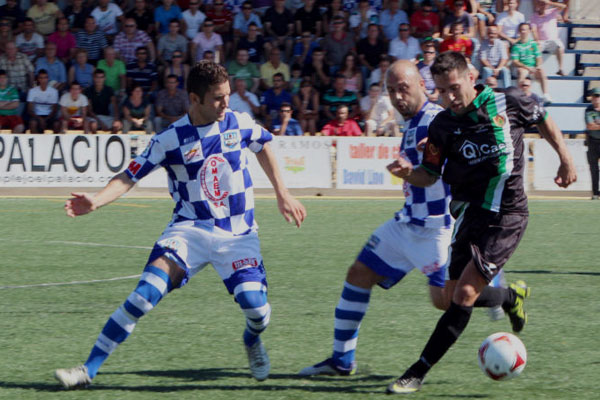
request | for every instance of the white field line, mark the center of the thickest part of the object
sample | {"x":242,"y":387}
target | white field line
{"x":119,"y":278}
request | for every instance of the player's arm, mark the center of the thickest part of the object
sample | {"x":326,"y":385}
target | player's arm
{"x":289,"y":207}
{"x":419,"y":176}
{"x":566,"y":171}
{"x":84,"y":203}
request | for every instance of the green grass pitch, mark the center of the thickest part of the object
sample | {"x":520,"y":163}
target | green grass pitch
{"x":190,"y":346}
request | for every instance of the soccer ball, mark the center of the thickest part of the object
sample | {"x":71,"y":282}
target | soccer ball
{"x":502,"y":356}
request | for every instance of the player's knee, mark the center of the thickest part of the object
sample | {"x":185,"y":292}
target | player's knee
{"x":465,"y":295}
{"x":256,"y":308}
{"x":362,"y":276}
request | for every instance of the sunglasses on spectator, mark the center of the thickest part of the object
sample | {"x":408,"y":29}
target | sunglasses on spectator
{"x":286,"y":110}
{"x":177,"y":56}
{"x":403,"y":29}
{"x":429,"y":52}
{"x":129,"y":26}
{"x":208,"y":25}
{"x":246,"y":8}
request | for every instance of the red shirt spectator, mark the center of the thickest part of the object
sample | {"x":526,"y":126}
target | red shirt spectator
{"x":341,"y":126}
{"x":424,"y":22}
{"x":461,"y":44}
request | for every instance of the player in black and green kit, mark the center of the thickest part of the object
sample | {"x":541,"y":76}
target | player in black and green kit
{"x":478,"y":141}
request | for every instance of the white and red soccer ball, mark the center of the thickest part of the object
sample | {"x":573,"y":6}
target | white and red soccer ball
{"x":502,"y":356}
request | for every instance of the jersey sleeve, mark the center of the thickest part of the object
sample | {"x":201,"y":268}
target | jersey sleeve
{"x":528,"y":111}
{"x":259,"y":135}
{"x":434,"y":156}
{"x":146,"y":162}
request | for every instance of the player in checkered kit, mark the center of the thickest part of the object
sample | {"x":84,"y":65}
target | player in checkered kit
{"x":213,"y":220}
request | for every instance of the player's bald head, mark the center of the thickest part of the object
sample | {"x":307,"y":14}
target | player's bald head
{"x":405,"y":87}
{"x":404,"y":68}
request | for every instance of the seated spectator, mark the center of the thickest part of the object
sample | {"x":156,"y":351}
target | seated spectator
{"x":73,"y":106}
{"x":272,"y":67}
{"x":207,"y":39}
{"x":425,"y":22}
{"x":243,"y":19}
{"x":525,"y":85}
{"x":222,"y":19}
{"x":12,"y":12}
{"x":255,"y":44}
{"x":338,"y":95}
{"x":458,"y":15}
{"x":114,"y":70}
{"x":76,"y":13}
{"x":81,"y":71}
{"x":136,"y":112}
{"x":210,"y":55}
{"x":42,"y":105}
{"x":378,"y":113}
{"x":29,"y":42}
{"x":456,"y":41}
{"x":178,"y":68}
{"x":306,"y":104}
{"x":102,"y":107}
{"x":424,"y":67}
{"x":391,"y":18}
{"x":173,"y":41}
{"x":378,"y":75}
{"x":370,"y":50}
{"x":284,"y":124}
{"x":509,"y":21}
{"x":193,"y":18}
{"x":337,"y":43}
{"x":362,"y":18}
{"x":144,"y":18}
{"x":404,"y":46}
{"x":494,"y":57}
{"x":352,"y":73}
{"x":279,"y":27}
{"x":142,"y":72}
{"x":6,"y":34}
{"x":130,"y":39}
{"x":242,"y":68}
{"x":318,"y":71}
{"x":164,"y":14}
{"x":171,"y":104}
{"x":295,"y":78}
{"x":9,"y":105}
{"x":18,"y":68}
{"x":44,"y":14}
{"x":484,"y":14}
{"x":334,"y":9}
{"x":107,"y":16}
{"x":544,"y":26}
{"x":308,"y":18}
{"x":241,"y":100}
{"x":64,"y":40}
{"x":341,"y":125}
{"x":302,"y":53}
{"x":527,"y":59}
{"x":92,"y":40}
{"x":273,"y":98}
{"x":55,"y":68}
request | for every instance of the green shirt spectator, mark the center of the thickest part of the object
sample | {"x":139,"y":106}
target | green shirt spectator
{"x":526,"y":53}
{"x":9,"y":94}
{"x":114,"y":69}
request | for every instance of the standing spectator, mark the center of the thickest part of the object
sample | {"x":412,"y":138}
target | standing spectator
{"x":81,"y":71}
{"x":164,"y":14}
{"x":222,"y":19}
{"x":494,"y":57}
{"x":144,"y":19}
{"x":207,"y":40}
{"x":544,"y":26}
{"x":308,"y":18}
{"x":592,"y":126}
{"x":509,"y":21}
{"x":362,"y":18}
{"x":64,"y":40}
{"x":18,"y":68}
{"x":424,"y":67}
{"x":527,"y":59}
{"x":142,"y":72}
{"x":456,"y":41}
{"x":76,"y":14}
{"x":130,"y":39}
{"x":337,"y":43}
{"x":341,"y":125}
{"x":171,"y":42}
{"x":13,"y":13}
{"x":279,"y":27}
{"x":318,"y":71}
{"x":55,"y":68}
{"x":459,"y":15}
{"x":370,"y":50}
{"x":107,"y":16}
{"x":101,"y":99}
{"x":92,"y":40}
{"x":178,"y":68}
{"x":404,"y":46}
{"x":391,"y":18}
{"x":114,"y":71}
{"x":425,"y":22}
{"x":73,"y":109}
{"x":136,"y":112}
{"x":272,"y":99}
{"x":336,"y":96}
{"x":42,"y":105}
{"x":242,"y":68}
{"x":171,"y":104}
{"x":241,"y":100}
{"x":255,"y":44}
{"x":306,"y":104}
{"x":29,"y":42}
{"x":284,"y":124}
{"x":351,"y":72}
{"x":44,"y":14}
{"x":9,"y":105}
{"x":193,"y":18}
{"x":303,"y":49}
{"x":272,"y":67}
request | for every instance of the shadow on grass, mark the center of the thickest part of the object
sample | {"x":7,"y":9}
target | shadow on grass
{"x":545,"y":271}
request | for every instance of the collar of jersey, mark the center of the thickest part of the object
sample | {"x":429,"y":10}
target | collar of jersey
{"x":485,"y":93}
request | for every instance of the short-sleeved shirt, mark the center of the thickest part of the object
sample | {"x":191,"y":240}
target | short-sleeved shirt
{"x":308,"y":19}
{"x":255,"y":48}
{"x":10,"y":93}
{"x":100,"y":101}
{"x":391,"y":22}
{"x":138,"y":111}
{"x":94,"y":43}
{"x":167,"y":45}
{"x":510,"y":25}
{"x":333,"y":101}
{"x":207,"y":170}
{"x":206,"y":43}
{"x":405,"y":51}
{"x":482,"y":152}
{"x":246,"y":72}
{"x":142,"y":76}
{"x":526,"y":53}
{"x":372,"y":53}
{"x":193,"y":22}
{"x":462,"y":44}
{"x":45,"y":19}
{"x":293,"y":127}
{"x":279,"y":22}
{"x":240,"y":23}
{"x":273,"y":101}
{"x":465,"y":19}
{"x":172,"y":105}
{"x":77,"y":19}
{"x":592,"y":116}
{"x":127,"y":47}
{"x":113,"y":74}
{"x":347,"y":128}
{"x":237,"y":104}
{"x":424,"y":23}
{"x":335,"y":49}
{"x":493,"y":52}
{"x":42,"y":100}
{"x":17,"y":71}
{"x":14,"y":15}
{"x":547,"y":24}
{"x":164,"y":17}
{"x":267,"y":71}
{"x":142,"y":21}
{"x":56,"y":70}
{"x":73,"y":107}
{"x":107,"y":19}
{"x":63,"y":44}
{"x":31,"y":46}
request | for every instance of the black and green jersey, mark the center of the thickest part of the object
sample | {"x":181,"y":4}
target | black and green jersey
{"x":481,"y":152}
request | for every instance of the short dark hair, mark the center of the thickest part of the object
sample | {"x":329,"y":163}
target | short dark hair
{"x":278,"y":75}
{"x":524,"y":23}
{"x":2,"y":72}
{"x":99,"y":71}
{"x":449,"y":61}
{"x":204,"y":74}
{"x":285,"y":104}
{"x":74,"y":83}
{"x":172,"y":76}
{"x":42,"y":71}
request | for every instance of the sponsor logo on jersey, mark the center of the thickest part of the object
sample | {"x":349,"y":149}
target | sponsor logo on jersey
{"x":134,"y":167}
{"x":244,"y":263}
{"x":194,"y":152}
{"x":373,"y":242}
{"x":212,"y":173}
{"x":499,"y":120}
{"x":231,"y":139}
{"x":411,"y":135}
{"x":476,"y":153}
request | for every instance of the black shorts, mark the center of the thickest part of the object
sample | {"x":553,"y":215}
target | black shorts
{"x":486,"y":237}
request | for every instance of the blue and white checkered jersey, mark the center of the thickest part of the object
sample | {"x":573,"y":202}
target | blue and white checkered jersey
{"x":430,"y":206}
{"x":207,"y":170}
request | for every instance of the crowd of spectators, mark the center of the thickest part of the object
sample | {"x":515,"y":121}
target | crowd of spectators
{"x":298,"y":66}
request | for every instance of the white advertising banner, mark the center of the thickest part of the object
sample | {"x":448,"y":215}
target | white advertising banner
{"x":61,"y":160}
{"x":546,"y":164}
{"x":362,"y":161}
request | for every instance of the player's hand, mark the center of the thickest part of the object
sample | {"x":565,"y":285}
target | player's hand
{"x":79,"y":204}
{"x":292,"y":210}
{"x":421,"y":144}
{"x":566,"y":174}
{"x":401,"y":167}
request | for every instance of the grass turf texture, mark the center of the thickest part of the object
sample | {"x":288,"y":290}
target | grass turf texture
{"x":190,"y":346}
